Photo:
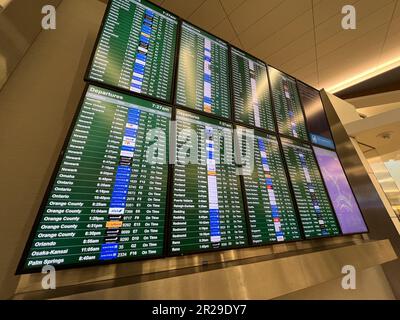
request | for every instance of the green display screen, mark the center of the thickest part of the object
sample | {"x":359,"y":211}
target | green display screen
{"x":270,"y":206}
{"x":108,"y":198}
{"x":316,"y":213}
{"x":136,"y":49}
{"x":207,"y":210}
{"x":203,"y":72}
{"x":288,"y":110}
{"x":251,"y":91}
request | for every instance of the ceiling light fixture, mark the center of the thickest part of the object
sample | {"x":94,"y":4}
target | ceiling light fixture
{"x":369,"y":73}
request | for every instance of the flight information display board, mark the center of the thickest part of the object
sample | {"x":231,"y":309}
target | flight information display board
{"x":251,"y":91}
{"x":343,"y":200}
{"x":316,"y":213}
{"x":317,"y":123}
{"x":288,"y":111}
{"x":207,"y":210}
{"x":108,"y":198}
{"x":136,"y":49}
{"x":203,"y":72}
{"x":271,"y":210}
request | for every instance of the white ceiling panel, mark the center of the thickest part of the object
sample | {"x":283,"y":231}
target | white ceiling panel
{"x":300,"y":45}
{"x":349,"y":60}
{"x":308,"y":74}
{"x":224,"y":30}
{"x":365,"y":12}
{"x":300,"y":61}
{"x":306,"y":71}
{"x":273,"y":22}
{"x":312,"y":80}
{"x":251,"y":11}
{"x":394,"y":27}
{"x":391,"y":49}
{"x":182,"y":8}
{"x":350,"y":52}
{"x":285,"y":36}
{"x":208,"y":15}
{"x":397,"y":11}
{"x":236,"y":42}
{"x":327,"y":9}
{"x":230,"y":5}
{"x":365,"y":26}
{"x":316,"y":2}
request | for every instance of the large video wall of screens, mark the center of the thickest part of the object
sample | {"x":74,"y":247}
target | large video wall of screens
{"x":271,"y":210}
{"x":207,"y":206}
{"x":288,"y":110}
{"x":203,"y":72}
{"x":317,"y":123}
{"x":184,"y":144}
{"x":136,"y":49}
{"x":316,"y":212}
{"x":251,"y":91}
{"x":107,"y":202}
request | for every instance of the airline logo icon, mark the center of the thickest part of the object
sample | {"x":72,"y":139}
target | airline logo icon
{"x":116,"y":210}
{"x":125,"y":153}
{"x":129,"y":141}
{"x":132,"y":126}
{"x":113,"y":224}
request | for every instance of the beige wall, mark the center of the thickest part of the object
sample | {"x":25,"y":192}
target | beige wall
{"x":36,"y":107}
{"x":19,"y":26}
{"x":371,"y":284}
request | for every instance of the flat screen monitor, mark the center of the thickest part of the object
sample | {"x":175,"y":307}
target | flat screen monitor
{"x":317,"y":122}
{"x":203,"y":72}
{"x":288,"y":110}
{"x":271,"y":210}
{"x":136,"y":49}
{"x":347,"y":210}
{"x":207,"y":207}
{"x":107,"y":200}
{"x":316,"y":212}
{"x":251,"y":92}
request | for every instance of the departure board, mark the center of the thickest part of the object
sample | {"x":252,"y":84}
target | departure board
{"x":251,"y":91}
{"x":207,"y":210}
{"x":271,"y":210}
{"x":347,"y":211}
{"x":203,"y":72}
{"x":108,"y":199}
{"x":136,"y":49}
{"x":288,"y":111}
{"x":317,"y":123}
{"x":316,"y":213}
